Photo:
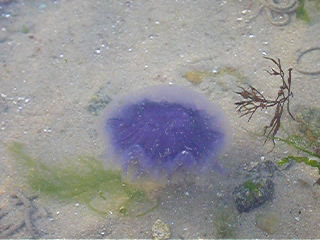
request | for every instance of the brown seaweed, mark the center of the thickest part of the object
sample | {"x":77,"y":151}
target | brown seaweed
{"x":254,"y":100}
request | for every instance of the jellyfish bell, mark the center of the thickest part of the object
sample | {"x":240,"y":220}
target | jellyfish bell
{"x":163,"y":130}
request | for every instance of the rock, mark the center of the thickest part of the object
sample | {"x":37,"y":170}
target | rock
{"x":253,"y":193}
{"x":268,"y":222}
{"x":160,"y":230}
{"x":263,"y":169}
{"x":257,"y":188}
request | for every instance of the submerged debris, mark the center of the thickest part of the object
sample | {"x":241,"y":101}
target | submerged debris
{"x":307,"y":69}
{"x":272,"y":8}
{"x":28,"y":213}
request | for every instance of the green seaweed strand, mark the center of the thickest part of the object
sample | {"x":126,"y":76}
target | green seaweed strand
{"x":299,"y":159}
{"x":82,"y":180}
{"x":298,"y":147}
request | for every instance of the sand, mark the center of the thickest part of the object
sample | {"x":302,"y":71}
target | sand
{"x":56,"y":55}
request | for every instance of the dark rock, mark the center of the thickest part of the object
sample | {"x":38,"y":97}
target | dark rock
{"x":253,"y":193}
{"x":263,"y":169}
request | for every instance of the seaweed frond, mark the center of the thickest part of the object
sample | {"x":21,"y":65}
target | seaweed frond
{"x":253,"y":100}
{"x":83,"y":179}
{"x":298,"y":143}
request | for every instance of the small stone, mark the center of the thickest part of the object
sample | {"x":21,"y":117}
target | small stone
{"x":268,"y":222}
{"x":97,"y":50}
{"x":160,"y":230}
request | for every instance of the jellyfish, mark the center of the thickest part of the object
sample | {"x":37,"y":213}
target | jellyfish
{"x":164,"y":129}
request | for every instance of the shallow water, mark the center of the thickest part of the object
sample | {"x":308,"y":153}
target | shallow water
{"x":62,"y":62}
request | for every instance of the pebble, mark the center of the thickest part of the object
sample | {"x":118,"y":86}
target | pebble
{"x":160,"y":230}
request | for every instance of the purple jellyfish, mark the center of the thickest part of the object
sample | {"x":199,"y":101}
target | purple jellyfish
{"x":160,"y":130}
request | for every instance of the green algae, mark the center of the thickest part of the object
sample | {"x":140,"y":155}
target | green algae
{"x":307,"y":10}
{"x":252,"y":187}
{"x":302,"y":13}
{"x":299,"y":144}
{"x":98,"y":102}
{"x":84,"y":180}
{"x":305,"y":139}
{"x":299,"y":159}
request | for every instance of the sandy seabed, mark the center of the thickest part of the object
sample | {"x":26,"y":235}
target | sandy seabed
{"x":56,"y":55}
